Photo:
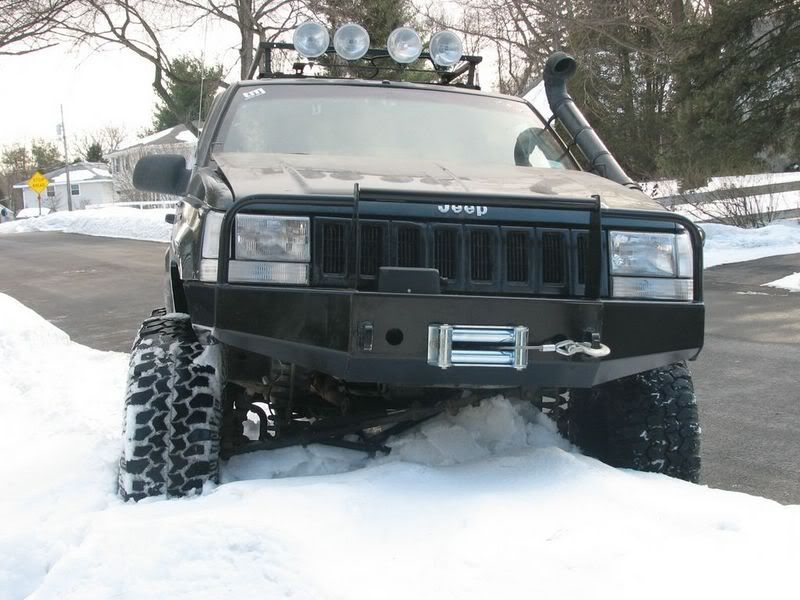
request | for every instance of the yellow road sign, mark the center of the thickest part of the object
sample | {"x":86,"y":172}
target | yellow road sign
{"x":38,"y":182}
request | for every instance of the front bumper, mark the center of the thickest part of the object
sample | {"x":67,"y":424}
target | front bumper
{"x":383,"y":338}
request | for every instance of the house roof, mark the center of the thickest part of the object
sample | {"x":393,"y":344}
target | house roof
{"x":80,"y":172}
{"x":174,"y":135}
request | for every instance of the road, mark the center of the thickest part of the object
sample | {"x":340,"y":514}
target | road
{"x":99,"y":289}
{"x":96,"y":289}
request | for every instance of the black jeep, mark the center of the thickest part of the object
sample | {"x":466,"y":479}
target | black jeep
{"x":351,"y":257}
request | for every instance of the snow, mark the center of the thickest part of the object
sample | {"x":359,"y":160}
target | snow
{"x":116,"y":222}
{"x":669,"y":187}
{"x":775,"y":204}
{"x":729,"y":244}
{"x":79,"y":175}
{"x":149,"y":139}
{"x":32,"y":212}
{"x":183,"y":136}
{"x":790,"y":282}
{"x":186,"y":136}
{"x":489,"y":503}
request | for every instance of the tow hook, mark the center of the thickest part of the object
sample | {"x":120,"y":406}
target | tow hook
{"x":571,"y":348}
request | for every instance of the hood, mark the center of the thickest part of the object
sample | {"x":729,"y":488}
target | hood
{"x":263,"y":174}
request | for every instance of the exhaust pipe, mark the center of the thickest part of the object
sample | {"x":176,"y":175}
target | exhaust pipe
{"x":558,"y":69}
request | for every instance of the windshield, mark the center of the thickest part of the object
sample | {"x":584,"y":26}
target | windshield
{"x":390,"y":123}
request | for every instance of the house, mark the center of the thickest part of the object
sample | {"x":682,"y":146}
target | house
{"x":175,"y":140}
{"x":91,"y":184}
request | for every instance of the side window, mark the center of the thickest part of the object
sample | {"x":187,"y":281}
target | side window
{"x":51,"y":191}
{"x":75,"y":189}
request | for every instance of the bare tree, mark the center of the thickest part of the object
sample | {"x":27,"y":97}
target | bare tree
{"x":262,"y":20}
{"x":140,"y":26}
{"x":522,"y":34}
{"x":137,"y":25}
{"x":733,"y":204}
{"x":109,"y":138}
{"x":28,"y":25}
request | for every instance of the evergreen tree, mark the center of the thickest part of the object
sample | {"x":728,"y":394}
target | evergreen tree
{"x":737,"y":90}
{"x":94,"y":153}
{"x":184,"y":92}
{"x":45,"y":155}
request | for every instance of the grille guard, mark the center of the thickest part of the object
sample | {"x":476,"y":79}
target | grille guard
{"x":592,"y":205}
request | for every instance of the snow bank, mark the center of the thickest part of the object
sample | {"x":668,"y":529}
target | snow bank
{"x":729,"y":244}
{"x":790,"y":282}
{"x":489,"y":503}
{"x":116,"y":222}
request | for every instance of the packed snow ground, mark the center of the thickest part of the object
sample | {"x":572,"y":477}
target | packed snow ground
{"x":490,"y":503}
{"x":116,"y":222}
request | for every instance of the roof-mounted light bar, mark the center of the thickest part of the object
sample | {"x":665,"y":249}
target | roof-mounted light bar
{"x":351,"y":43}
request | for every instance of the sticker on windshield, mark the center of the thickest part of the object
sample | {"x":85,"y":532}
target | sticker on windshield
{"x":253,"y":93}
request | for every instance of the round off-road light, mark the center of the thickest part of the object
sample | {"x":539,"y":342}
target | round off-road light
{"x":446,"y":48}
{"x":351,"y":41}
{"x":311,"y":39}
{"x":404,"y":45}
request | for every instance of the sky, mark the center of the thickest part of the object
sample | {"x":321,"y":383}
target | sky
{"x":112,"y":86}
{"x":96,"y":87}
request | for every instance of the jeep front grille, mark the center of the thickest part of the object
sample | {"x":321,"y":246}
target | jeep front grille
{"x":445,"y":250}
{"x":517,"y":248}
{"x":469,"y":258}
{"x":334,"y":250}
{"x":409,"y":246}
{"x":371,"y":249}
{"x":481,"y":255}
{"x":553,"y":257}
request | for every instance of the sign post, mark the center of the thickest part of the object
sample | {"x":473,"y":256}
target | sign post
{"x":38,"y":183}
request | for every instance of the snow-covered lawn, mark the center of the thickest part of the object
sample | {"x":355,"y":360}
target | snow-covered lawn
{"x":490,"y":503}
{"x":117,"y":222}
{"x":728,"y":244}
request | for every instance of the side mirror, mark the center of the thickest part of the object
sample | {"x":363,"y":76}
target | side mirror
{"x":162,"y":174}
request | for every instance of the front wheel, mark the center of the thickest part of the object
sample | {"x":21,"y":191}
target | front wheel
{"x":173,"y":411}
{"x":647,"y":422}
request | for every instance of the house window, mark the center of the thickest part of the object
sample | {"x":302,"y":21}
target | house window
{"x":75,"y":189}
{"x":51,"y":191}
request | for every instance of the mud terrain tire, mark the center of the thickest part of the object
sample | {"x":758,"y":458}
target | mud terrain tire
{"x":647,"y":422}
{"x":173,"y":411}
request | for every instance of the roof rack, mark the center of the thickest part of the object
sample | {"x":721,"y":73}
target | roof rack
{"x":262,"y":66}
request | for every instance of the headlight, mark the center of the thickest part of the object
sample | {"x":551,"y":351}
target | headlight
{"x":283,"y":239}
{"x":651,"y":265}
{"x":634,"y":253}
{"x":271,"y":249}
{"x":266,"y":249}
